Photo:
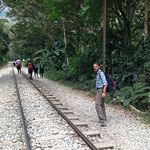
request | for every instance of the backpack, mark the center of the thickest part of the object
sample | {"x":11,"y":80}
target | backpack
{"x":36,"y":66}
{"x":30,"y":66}
{"x":19,"y":64}
{"x":110,"y":82}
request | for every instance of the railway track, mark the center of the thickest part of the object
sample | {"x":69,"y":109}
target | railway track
{"x":26,"y":136}
{"x":90,"y":138}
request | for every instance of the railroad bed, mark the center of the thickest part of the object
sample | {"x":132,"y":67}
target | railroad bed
{"x":45,"y":128}
{"x":10,"y":121}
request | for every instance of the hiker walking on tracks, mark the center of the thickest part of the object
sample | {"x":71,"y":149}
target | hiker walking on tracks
{"x":18,"y":65}
{"x":101,"y":85}
{"x":41,"y":69}
{"x":14,"y":63}
{"x":30,"y":68}
{"x":36,"y":70}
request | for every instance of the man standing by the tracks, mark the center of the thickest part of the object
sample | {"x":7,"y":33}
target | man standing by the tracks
{"x":101,"y":85}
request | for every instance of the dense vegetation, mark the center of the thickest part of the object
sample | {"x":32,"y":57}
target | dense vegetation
{"x":68,"y":35}
{"x":4,"y":41}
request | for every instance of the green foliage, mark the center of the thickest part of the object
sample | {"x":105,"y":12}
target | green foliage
{"x":81,"y":84}
{"x":137,"y":95}
{"x":72,"y":72}
{"x":67,"y":37}
{"x":4,"y":41}
{"x":147,"y":71}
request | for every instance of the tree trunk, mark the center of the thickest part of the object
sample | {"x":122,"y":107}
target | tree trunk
{"x":65,"y":42}
{"x":146,"y":19}
{"x":127,"y":35}
{"x":104,"y":37}
{"x":78,"y":35}
{"x":78,"y":26}
{"x":125,"y":16}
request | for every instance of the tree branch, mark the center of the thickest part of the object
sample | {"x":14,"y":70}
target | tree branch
{"x":133,"y":8}
{"x":123,"y":15}
{"x":2,"y":8}
{"x":116,"y":12}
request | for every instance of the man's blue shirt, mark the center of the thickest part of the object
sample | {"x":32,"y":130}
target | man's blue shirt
{"x":100,"y":79}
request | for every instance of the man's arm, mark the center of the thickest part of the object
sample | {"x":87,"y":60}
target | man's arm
{"x":103,"y":77}
{"x":104,"y":90}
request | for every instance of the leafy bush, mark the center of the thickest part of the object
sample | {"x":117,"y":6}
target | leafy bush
{"x":147,"y":72}
{"x":81,"y":84}
{"x":137,"y":95}
{"x":3,"y":60}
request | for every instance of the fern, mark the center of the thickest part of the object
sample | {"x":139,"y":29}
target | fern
{"x":40,"y":51}
{"x":37,"y":58}
{"x":146,"y":100}
{"x":137,"y":94}
{"x":134,"y":97}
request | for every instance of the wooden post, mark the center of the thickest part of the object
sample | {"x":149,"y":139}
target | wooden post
{"x":104,"y":37}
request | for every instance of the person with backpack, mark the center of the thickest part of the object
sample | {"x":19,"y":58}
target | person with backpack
{"x":18,"y":65}
{"x":41,"y":69}
{"x":18,"y":60}
{"x":101,"y":85}
{"x":30,"y":68}
{"x":36,"y":70}
{"x":14,"y":63}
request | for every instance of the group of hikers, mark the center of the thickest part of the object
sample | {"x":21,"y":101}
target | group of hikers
{"x":32,"y":67}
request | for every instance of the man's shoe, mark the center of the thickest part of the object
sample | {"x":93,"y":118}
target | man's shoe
{"x":103,"y":124}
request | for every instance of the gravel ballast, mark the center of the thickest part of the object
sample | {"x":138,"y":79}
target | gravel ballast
{"x":10,"y":121}
{"x":46,"y":129}
{"x":49,"y":131}
{"x":124,"y":130}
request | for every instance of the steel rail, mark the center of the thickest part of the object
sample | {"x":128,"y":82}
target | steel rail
{"x":26,"y":136}
{"x":80,"y":134}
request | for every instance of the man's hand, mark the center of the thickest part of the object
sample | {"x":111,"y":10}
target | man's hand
{"x":103,"y":95}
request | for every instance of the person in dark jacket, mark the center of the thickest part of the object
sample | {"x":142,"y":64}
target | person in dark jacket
{"x":36,"y":70}
{"x":41,"y":69}
{"x":14,"y":63}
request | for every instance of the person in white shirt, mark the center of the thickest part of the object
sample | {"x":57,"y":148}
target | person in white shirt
{"x":18,"y":65}
{"x":18,"y":60}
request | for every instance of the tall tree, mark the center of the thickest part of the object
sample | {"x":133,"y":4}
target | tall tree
{"x":146,"y":19}
{"x":4,"y":40}
{"x":104,"y":37}
{"x":125,"y":11}
{"x":65,"y":41}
